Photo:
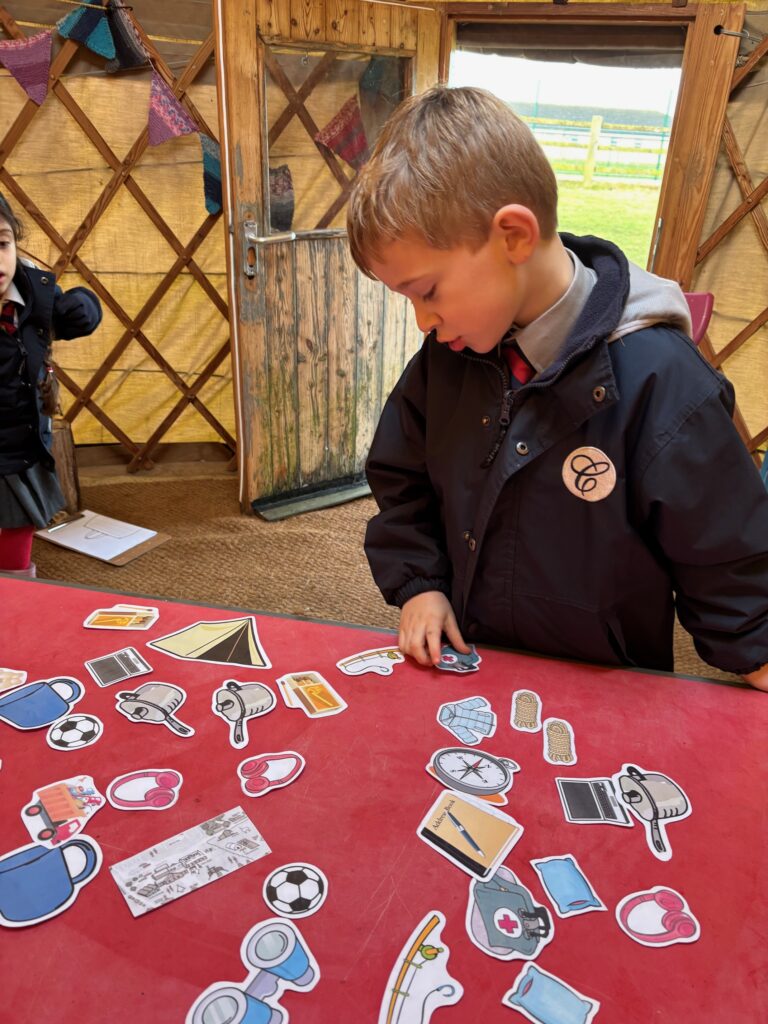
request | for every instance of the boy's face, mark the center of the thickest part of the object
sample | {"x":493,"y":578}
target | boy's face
{"x":470,"y":299}
{"x":7,"y":256}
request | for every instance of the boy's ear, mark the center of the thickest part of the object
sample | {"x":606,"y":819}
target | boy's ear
{"x":517,"y":227}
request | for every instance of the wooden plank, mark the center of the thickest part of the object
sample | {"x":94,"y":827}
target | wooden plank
{"x":279,"y":285}
{"x":743,"y":336}
{"x":428,"y":49}
{"x":369,"y":349}
{"x":312,"y":357}
{"x":750,"y":64}
{"x":695,"y":140}
{"x":393,"y":343}
{"x":342,"y":21}
{"x":342,"y":305}
{"x":405,"y":31}
{"x":240,"y":74}
{"x":307,"y":19}
{"x":744,"y":178}
{"x":273,"y":17}
{"x":382,"y":25}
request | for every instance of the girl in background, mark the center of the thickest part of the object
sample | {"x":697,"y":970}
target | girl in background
{"x":33,"y":311}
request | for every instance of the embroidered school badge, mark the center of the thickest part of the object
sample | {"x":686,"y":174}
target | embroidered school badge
{"x":588,"y":473}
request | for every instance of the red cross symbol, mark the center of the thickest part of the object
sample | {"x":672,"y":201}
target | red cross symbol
{"x":509,"y":924}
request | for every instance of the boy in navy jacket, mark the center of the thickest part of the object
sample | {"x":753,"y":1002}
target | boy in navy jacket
{"x":557,"y":469}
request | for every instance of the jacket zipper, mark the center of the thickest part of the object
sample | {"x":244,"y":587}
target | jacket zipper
{"x":508,"y":395}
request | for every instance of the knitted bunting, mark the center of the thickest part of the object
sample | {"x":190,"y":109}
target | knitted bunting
{"x":167,"y":118}
{"x":281,"y":198}
{"x":89,"y":26}
{"x":211,"y":173}
{"x":29,"y":61}
{"x":129,"y":49}
{"x":345,"y":135}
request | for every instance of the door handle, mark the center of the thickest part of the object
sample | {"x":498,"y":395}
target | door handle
{"x":252,"y":240}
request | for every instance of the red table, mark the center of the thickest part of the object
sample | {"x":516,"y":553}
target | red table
{"x":354,"y":813}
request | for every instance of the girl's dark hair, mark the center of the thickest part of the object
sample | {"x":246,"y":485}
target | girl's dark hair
{"x":7,"y":214}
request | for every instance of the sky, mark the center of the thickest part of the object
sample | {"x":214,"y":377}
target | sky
{"x":517,"y":80}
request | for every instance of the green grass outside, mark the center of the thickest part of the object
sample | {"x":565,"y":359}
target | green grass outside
{"x":624,"y":214}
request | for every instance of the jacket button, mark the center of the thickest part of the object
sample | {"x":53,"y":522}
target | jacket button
{"x":43,"y":280}
{"x":485,"y":421}
{"x":598,"y":393}
{"x":471,"y":543}
{"x":40,"y":332}
{"x":521,"y":448}
{"x":466,"y":535}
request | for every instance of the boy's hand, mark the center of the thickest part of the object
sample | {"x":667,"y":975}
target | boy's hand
{"x":423,"y":620}
{"x":758,"y":679}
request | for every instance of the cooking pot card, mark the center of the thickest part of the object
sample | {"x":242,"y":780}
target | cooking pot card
{"x":155,"y":704}
{"x":656,"y":801}
{"x":312,"y":693}
{"x":236,"y":703}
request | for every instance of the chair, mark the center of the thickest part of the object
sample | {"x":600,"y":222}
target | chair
{"x":700,"y":305}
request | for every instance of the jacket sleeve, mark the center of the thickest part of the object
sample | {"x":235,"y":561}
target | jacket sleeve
{"x":404,"y":543}
{"x":708,"y":510}
{"x":76,"y":313}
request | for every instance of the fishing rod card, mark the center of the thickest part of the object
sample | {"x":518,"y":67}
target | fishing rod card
{"x":419,"y":982}
{"x":473,"y":835}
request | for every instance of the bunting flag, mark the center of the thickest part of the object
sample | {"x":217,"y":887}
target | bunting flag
{"x":345,"y":135}
{"x":29,"y":61}
{"x":129,"y":49}
{"x":89,"y":26}
{"x":167,"y":118}
{"x":281,"y":198}
{"x":211,"y":173}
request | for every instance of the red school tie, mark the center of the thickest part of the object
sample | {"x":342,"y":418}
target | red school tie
{"x":8,"y":318}
{"x":519,"y":366}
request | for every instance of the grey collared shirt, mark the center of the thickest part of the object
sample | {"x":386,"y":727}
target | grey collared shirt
{"x":541,"y":340}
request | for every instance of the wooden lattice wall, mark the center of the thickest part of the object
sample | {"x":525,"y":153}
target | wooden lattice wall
{"x":173,"y":323}
{"x":732,"y":257}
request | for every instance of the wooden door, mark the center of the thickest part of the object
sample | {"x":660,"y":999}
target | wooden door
{"x":317,"y":346}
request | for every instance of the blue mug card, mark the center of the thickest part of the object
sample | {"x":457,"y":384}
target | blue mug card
{"x":37,"y":883}
{"x":38,"y":704}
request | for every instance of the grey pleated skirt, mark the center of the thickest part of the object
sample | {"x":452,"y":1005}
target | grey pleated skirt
{"x":29,"y":498}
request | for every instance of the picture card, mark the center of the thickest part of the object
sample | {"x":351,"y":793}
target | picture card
{"x":118,"y":666}
{"x":60,"y":810}
{"x":228,"y":642}
{"x":381,"y":661}
{"x":277,"y":958}
{"x":565,"y":883}
{"x":452,"y":660}
{"x":526,"y":711}
{"x":122,"y":616}
{"x":656,"y":801}
{"x":11,"y":677}
{"x":657,"y":917}
{"x":188,"y":861}
{"x":470,"y":720}
{"x":559,"y":742}
{"x":472,"y":834}
{"x":312,"y":693}
{"x":591,"y":802}
{"x":504,"y":920}
{"x":544,"y":998}
{"x":419,"y":982}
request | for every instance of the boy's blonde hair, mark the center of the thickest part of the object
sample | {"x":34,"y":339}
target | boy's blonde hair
{"x":444,"y":163}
